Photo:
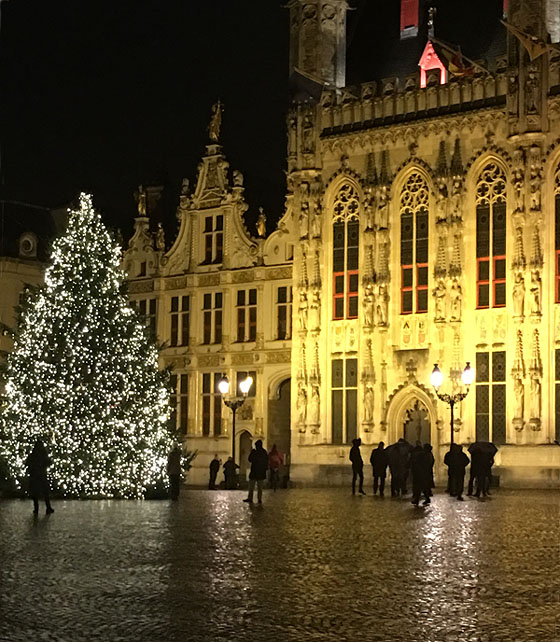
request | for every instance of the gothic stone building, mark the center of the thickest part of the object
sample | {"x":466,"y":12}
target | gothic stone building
{"x":422,"y":226}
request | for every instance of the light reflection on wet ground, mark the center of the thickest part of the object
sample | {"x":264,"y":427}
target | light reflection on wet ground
{"x":308,"y":565}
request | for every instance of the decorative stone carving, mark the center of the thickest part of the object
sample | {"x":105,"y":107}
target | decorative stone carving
{"x":368,"y":303}
{"x":160,"y":238}
{"x":518,"y":180}
{"x":456,"y":295}
{"x":315,"y":408}
{"x":383,"y":206}
{"x":519,"y":396}
{"x":535,"y":179}
{"x":440,"y":294}
{"x":382,"y":307}
{"x":215,"y":122}
{"x":368,"y":403}
{"x":301,"y":407}
{"x":441,"y":198}
{"x":303,"y":311}
{"x":141,"y":197}
{"x":535,"y":290}
{"x":315,"y":311}
{"x":518,"y":294}
{"x":308,"y":143}
{"x":261,"y":223}
{"x":237,"y":177}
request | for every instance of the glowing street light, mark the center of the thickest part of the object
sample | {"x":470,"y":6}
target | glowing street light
{"x":436,"y":379}
{"x":235,"y":402}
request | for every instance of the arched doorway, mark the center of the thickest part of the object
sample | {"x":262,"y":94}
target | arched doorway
{"x":279,"y":432}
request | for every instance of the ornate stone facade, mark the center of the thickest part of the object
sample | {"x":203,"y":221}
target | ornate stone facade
{"x":417,"y":229}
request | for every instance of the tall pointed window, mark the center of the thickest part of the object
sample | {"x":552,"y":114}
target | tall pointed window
{"x":344,"y":406}
{"x":491,"y":396}
{"x":491,"y":238}
{"x":346,"y":237}
{"x":557,"y":234}
{"x":414,"y":245}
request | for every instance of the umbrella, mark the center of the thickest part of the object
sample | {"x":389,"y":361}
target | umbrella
{"x":484,"y":447}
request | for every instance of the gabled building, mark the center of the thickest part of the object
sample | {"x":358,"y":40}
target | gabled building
{"x":422,"y":226}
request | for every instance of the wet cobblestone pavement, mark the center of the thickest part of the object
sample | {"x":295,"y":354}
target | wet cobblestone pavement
{"x":308,"y":565}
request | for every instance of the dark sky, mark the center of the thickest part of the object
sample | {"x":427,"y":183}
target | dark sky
{"x":101,"y":95}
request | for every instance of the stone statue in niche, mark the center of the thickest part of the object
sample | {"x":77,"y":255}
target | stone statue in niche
{"x":303,"y":311}
{"x":160,"y":238}
{"x":301,"y":406}
{"x":369,"y":209}
{"x":535,"y":389}
{"x":456,"y":301}
{"x":518,"y":294}
{"x":303,"y":220}
{"x":532,"y":88}
{"x":292,"y":134}
{"x":368,"y":403}
{"x":315,"y":311}
{"x":535,"y":187}
{"x":513,"y":86}
{"x":315,"y":406}
{"x":316,"y":221}
{"x":439,"y":294}
{"x":519,"y":393}
{"x":261,"y":223}
{"x":518,"y":178}
{"x":382,"y":309}
{"x":535,"y":290}
{"x":383,"y":206}
{"x":308,"y":145}
{"x":456,"y":195}
{"x":368,"y":306}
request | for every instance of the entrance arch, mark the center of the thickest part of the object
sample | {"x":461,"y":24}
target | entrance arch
{"x":279,"y":425}
{"x":401,"y":409}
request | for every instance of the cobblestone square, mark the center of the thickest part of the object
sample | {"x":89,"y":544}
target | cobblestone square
{"x":307,"y":565}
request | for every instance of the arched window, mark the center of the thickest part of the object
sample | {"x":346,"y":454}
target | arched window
{"x":491,"y":238}
{"x":414,"y":245}
{"x":346,"y":237}
{"x":557,"y":232}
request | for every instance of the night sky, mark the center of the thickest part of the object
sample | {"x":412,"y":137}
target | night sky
{"x":103,"y":95}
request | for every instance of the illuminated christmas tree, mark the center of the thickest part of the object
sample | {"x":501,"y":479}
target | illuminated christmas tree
{"x":83,"y":374}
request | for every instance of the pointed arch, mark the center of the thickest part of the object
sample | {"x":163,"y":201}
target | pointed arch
{"x":400,"y":400}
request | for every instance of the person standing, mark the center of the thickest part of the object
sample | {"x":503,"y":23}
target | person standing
{"x":456,"y":461}
{"x":379,"y":462}
{"x":421,"y":469}
{"x":214,"y":470}
{"x":230,"y":474}
{"x":174,"y":471}
{"x":431,"y":459}
{"x":484,"y":473}
{"x":275,"y":460}
{"x":357,"y":466}
{"x":37,"y":463}
{"x":258,"y":458}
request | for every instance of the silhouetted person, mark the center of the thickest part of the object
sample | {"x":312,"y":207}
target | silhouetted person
{"x":421,"y":469}
{"x":399,"y":462}
{"x":37,"y":463}
{"x":275,"y":460}
{"x":230,"y":474}
{"x":456,"y":461}
{"x":484,"y":473}
{"x":357,"y":466}
{"x":379,"y":462}
{"x":474,"y":472}
{"x":174,"y":471}
{"x":214,"y":470}
{"x":428,"y":449}
{"x":258,"y":457}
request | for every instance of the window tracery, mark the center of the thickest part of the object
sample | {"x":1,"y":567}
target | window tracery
{"x":414,"y":209}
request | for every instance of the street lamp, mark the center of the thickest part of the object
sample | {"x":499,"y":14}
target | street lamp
{"x":436,"y":379}
{"x":234,"y":403}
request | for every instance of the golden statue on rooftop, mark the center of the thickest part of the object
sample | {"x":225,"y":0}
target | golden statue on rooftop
{"x":215,"y":122}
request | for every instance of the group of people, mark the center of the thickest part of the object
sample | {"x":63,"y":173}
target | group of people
{"x":404,"y":460}
{"x":261,"y":463}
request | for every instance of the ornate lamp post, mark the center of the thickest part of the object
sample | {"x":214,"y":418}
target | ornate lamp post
{"x":436,"y":379}
{"x":235,"y":402}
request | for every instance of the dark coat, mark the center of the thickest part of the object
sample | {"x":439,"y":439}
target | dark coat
{"x":399,"y":458}
{"x":356,"y":458}
{"x":259,"y":463}
{"x":37,"y":463}
{"x":215,"y":466}
{"x":230,"y":468}
{"x":379,"y":461}
{"x":421,"y":468}
{"x":456,"y":461}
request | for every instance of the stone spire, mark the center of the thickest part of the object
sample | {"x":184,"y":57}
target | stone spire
{"x":316,"y":282}
{"x":384,"y":172}
{"x":441,"y":168}
{"x":455,"y":268}
{"x":315,"y":376}
{"x":536,"y":362}
{"x":518,"y":262}
{"x":456,"y":160}
{"x":518,"y":368}
{"x":440,"y":269}
{"x":371,"y":172}
{"x":304,"y":280}
{"x":536,"y":250}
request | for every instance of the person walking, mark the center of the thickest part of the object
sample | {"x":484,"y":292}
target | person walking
{"x":174,"y":471}
{"x":258,"y":458}
{"x":37,"y":463}
{"x":230,"y":474}
{"x":379,"y":462}
{"x":275,"y":460}
{"x":357,"y":466}
{"x":456,"y":461}
{"x":421,"y":469}
{"x":214,"y":470}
